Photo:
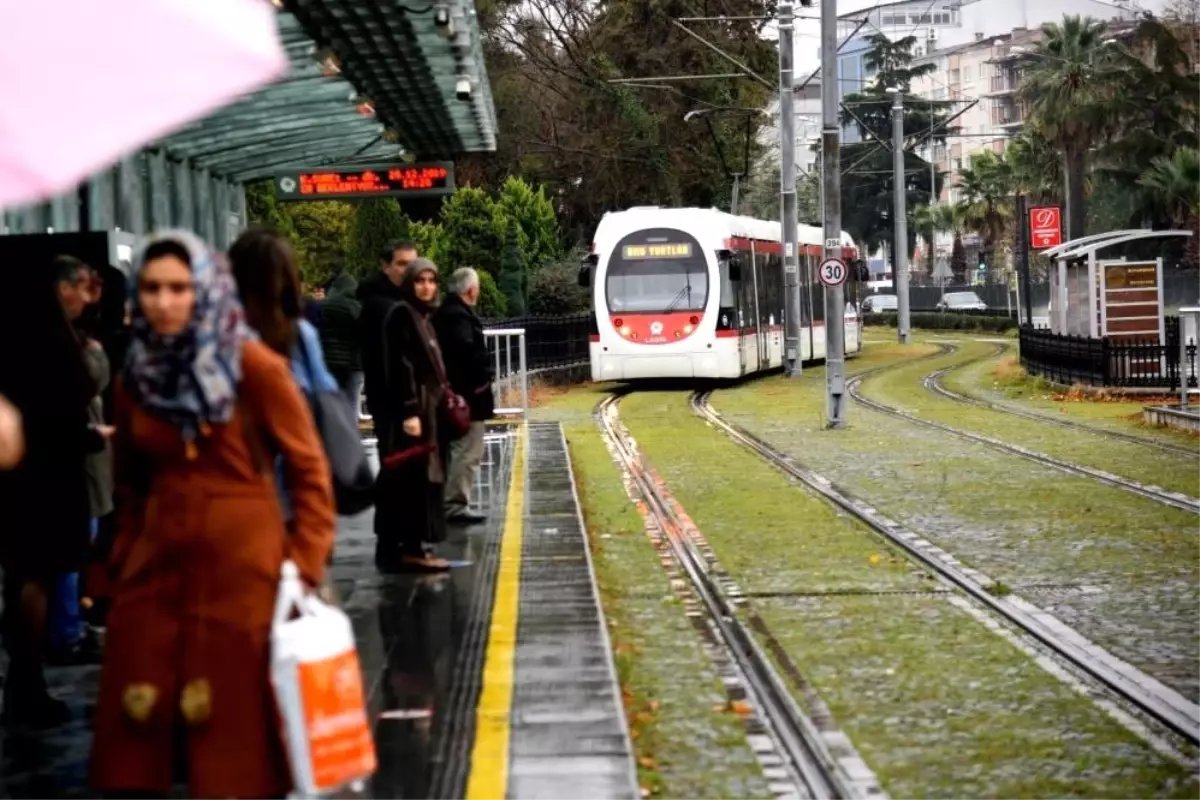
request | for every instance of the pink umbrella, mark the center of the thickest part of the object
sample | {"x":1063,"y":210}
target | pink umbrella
{"x":87,"y":82}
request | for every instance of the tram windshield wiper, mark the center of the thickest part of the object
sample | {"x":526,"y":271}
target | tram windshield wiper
{"x":686,"y":291}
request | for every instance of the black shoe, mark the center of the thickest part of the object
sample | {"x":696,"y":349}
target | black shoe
{"x":81,"y":653}
{"x":39,"y":711}
{"x":466,"y":518}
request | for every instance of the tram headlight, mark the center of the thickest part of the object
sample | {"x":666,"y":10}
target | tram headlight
{"x":687,"y":329}
{"x":625,"y":330}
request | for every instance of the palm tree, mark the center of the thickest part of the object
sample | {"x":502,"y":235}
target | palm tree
{"x":952,"y":218}
{"x":1067,"y":87}
{"x":922,"y":219}
{"x":1174,"y":184}
{"x":1033,"y":165}
{"x":984,"y":184}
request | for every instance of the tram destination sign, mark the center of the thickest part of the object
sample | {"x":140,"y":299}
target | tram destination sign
{"x":432,"y":179}
{"x":635,"y":252}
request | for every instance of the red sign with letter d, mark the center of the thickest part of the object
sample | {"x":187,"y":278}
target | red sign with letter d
{"x":1045,"y":227}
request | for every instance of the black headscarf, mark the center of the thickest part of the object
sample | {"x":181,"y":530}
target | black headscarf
{"x":408,"y":289}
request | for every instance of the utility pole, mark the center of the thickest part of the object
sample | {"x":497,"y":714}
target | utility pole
{"x":1023,"y":257}
{"x":831,"y":178}
{"x":787,"y":196}
{"x":900,"y":212}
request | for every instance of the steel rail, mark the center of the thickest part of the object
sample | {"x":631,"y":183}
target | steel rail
{"x":1156,"y":493}
{"x":1144,"y":692}
{"x":815,"y":771}
{"x":933,"y":382}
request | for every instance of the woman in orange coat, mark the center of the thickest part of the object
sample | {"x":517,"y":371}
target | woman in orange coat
{"x":201,"y":538}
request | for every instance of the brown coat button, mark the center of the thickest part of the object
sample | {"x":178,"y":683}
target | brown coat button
{"x":138,"y":700}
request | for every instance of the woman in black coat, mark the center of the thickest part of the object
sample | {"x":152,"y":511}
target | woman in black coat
{"x":44,"y":508}
{"x":408,"y":504}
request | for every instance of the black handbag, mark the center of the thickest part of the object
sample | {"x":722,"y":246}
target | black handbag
{"x":337,"y":423}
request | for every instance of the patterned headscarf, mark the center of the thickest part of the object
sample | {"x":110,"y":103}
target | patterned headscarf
{"x":192,"y":378}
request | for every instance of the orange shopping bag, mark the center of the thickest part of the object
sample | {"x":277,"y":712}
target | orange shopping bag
{"x":319,"y":691}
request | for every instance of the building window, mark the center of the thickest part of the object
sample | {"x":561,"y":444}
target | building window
{"x":966,"y":74}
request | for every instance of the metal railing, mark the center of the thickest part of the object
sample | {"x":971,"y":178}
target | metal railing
{"x":1105,"y":362}
{"x":509,"y":384}
{"x":489,"y":475}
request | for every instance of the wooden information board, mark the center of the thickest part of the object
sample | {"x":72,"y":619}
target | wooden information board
{"x":1132,"y":306}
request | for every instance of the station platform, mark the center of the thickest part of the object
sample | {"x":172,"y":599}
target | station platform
{"x":494,"y":680}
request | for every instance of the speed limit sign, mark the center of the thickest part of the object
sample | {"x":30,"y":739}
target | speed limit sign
{"x":832,"y":272}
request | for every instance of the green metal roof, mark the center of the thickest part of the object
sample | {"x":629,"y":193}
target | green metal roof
{"x":388,"y":53}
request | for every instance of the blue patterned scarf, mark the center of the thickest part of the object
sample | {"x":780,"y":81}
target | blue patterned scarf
{"x":190,"y":379}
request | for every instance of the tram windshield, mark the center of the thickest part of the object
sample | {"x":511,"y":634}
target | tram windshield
{"x":656,"y":272}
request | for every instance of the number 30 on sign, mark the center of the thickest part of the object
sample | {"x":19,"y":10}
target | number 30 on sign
{"x":832,"y":272}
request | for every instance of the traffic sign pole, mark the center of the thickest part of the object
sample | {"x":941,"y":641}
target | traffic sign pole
{"x":831,"y":180}
{"x":900,"y":223}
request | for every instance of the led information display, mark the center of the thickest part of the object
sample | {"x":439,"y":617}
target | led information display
{"x":638,"y":251}
{"x":395,"y":180}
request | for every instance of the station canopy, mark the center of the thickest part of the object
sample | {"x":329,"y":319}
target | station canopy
{"x":370,"y":81}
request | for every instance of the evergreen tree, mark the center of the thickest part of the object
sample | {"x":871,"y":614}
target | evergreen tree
{"x":958,"y":261}
{"x":473,"y":230}
{"x":512,"y":272}
{"x":377,"y":222}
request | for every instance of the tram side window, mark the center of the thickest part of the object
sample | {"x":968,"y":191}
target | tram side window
{"x":745,"y":291}
{"x":773,"y":302}
{"x":818,"y":290}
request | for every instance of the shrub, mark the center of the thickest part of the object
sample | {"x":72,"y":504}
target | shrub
{"x":934,"y":321}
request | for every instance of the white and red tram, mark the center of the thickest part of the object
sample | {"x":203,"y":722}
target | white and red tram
{"x":699,"y":293}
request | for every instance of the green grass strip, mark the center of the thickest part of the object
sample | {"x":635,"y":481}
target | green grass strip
{"x":901,"y":388}
{"x":938,"y":705}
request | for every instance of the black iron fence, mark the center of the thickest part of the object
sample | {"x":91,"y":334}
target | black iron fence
{"x":551,"y":341}
{"x":1103,"y":362}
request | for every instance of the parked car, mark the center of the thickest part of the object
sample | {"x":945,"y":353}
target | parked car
{"x":961,"y":301}
{"x":880,"y":304}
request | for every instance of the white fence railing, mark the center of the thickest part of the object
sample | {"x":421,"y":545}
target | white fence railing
{"x":511,"y":383}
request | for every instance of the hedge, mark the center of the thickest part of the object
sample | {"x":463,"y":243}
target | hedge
{"x":934,"y":321}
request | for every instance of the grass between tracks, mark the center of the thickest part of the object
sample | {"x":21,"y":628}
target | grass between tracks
{"x":687,"y":744}
{"x":902,"y":388}
{"x":1119,"y":568}
{"x":938,"y":705}
{"x":1002,"y":380}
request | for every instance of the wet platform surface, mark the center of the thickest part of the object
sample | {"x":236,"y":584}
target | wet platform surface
{"x":422,"y":642}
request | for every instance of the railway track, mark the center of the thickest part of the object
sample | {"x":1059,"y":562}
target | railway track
{"x":933,"y":382}
{"x":1155,"y":493}
{"x":1144,"y":693}
{"x":820,"y":765}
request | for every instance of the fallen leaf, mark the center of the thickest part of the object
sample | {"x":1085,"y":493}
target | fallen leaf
{"x":874,"y":559}
{"x":647,"y":762}
{"x":653,"y":705}
{"x":741,"y":708}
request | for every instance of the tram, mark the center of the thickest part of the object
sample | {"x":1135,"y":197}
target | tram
{"x":699,"y":293}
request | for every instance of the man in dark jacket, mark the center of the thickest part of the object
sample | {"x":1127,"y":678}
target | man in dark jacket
{"x":469,"y":371}
{"x":340,"y":336}
{"x":378,"y":294}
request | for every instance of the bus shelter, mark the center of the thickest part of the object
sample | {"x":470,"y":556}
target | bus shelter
{"x":1112,"y":298}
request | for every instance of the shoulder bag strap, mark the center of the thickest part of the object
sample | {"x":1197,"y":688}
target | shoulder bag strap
{"x":434,"y":351}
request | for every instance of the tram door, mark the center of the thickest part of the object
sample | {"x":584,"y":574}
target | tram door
{"x":762,"y":306}
{"x":733,"y":271}
{"x":747,"y":309}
